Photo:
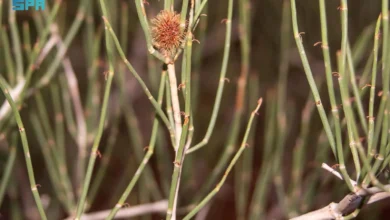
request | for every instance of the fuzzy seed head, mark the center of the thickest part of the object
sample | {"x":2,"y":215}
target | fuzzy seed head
{"x":166,"y":34}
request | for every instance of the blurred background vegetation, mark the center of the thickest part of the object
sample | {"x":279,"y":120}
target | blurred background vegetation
{"x":280,"y":200}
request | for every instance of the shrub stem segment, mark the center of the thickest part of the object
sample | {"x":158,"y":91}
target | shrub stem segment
{"x":175,"y":104}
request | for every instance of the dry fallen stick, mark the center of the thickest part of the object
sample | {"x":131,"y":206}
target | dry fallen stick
{"x":156,"y":207}
{"x":347,"y":205}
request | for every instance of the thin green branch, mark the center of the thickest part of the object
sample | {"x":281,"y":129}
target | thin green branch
{"x":222,"y":80}
{"x":314,"y":89}
{"x":26,"y":149}
{"x":371,"y":117}
{"x":139,"y":79}
{"x":180,"y":151}
{"x":146,"y":158}
{"x":94,"y":150}
{"x":232,"y":163}
{"x":310,"y":78}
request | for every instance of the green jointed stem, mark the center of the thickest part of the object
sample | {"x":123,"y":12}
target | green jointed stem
{"x":313,"y":86}
{"x":371,"y":119}
{"x":26,"y":150}
{"x":146,"y":158}
{"x":221,"y":84}
{"x":180,"y":153}
{"x":385,"y":49}
{"x":384,"y":105}
{"x":344,"y":35}
{"x":94,"y":150}
{"x":342,"y":78}
{"x":232,"y":163}
{"x":139,"y":79}
{"x":309,"y":75}
{"x":349,"y":118}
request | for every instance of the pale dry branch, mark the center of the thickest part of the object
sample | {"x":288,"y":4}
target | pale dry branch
{"x":156,"y":207}
{"x":347,"y":205}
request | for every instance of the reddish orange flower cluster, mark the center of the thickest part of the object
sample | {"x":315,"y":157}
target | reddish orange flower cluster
{"x":166,"y":34}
